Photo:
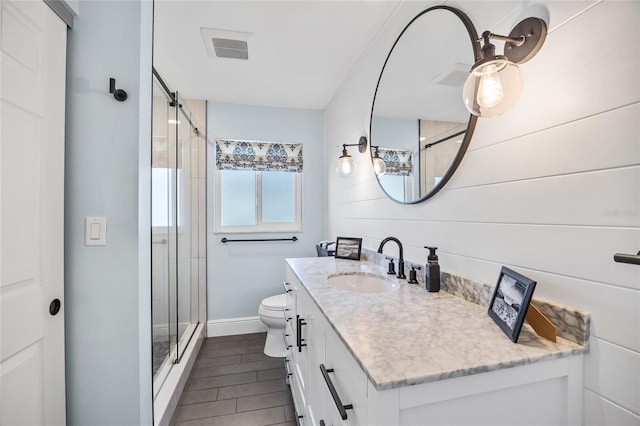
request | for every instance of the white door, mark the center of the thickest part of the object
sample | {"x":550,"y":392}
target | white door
{"x":32,"y":93}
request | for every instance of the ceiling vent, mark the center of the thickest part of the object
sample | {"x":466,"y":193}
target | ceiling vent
{"x":455,"y":76}
{"x":227,"y":48}
{"x":226,"y":44}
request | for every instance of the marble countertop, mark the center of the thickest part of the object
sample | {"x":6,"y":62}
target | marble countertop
{"x":410,"y":336}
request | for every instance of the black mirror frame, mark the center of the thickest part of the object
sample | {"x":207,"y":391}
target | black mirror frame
{"x":473,"y":36}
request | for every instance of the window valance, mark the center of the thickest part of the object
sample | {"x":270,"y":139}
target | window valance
{"x":261,"y":156}
{"x":398,"y":161}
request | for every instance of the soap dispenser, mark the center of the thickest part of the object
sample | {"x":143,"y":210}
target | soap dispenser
{"x":432,"y":271}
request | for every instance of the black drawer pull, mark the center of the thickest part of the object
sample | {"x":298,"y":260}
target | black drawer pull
{"x":334,"y":394}
{"x":286,"y":316}
{"x":633,"y":259}
{"x":286,"y":368}
{"x":321,"y":422}
{"x":286,"y":342}
{"x":285,"y":284}
{"x":299,"y":340}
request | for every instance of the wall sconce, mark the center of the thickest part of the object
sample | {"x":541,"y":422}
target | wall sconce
{"x":379,"y":166}
{"x":495,"y":82}
{"x":346,"y":165}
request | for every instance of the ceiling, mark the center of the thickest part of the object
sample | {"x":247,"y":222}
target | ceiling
{"x":299,"y":51}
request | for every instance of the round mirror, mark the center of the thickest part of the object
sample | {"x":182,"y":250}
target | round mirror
{"x":420,"y":128}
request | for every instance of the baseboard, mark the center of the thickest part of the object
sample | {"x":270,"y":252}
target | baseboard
{"x":232,"y":326}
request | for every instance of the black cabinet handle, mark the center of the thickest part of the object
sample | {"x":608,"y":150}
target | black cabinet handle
{"x":321,"y":422}
{"x":286,"y":342}
{"x":54,"y":306}
{"x":633,"y":259}
{"x":334,"y":394}
{"x":285,"y":284}
{"x":286,"y":368}
{"x":286,"y":316}
{"x":299,"y":323}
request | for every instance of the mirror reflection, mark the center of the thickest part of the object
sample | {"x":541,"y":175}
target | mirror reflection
{"x":420,"y":127}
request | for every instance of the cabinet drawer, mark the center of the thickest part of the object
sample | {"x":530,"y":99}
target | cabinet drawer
{"x":338,"y":353}
{"x":349,"y":381}
{"x":299,"y":401}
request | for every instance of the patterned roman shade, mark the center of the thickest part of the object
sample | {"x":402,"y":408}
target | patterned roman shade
{"x":260,"y":156}
{"x":398,"y":161}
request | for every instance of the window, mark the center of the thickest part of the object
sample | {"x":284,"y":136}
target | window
{"x":254,"y":192}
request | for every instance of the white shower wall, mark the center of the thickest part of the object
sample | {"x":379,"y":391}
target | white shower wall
{"x":551,"y":189}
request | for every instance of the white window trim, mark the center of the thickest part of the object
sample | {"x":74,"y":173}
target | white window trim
{"x":261,"y":227}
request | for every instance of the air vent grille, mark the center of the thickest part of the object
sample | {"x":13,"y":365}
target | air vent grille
{"x":228,"y":48}
{"x":454,"y":78}
{"x":455,"y":75}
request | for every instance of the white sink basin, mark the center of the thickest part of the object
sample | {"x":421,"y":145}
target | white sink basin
{"x":361,"y":282}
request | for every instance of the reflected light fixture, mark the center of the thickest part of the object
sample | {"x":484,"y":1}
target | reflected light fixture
{"x":346,"y":165}
{"x":495,"y":82}
{"x":379,"y":166}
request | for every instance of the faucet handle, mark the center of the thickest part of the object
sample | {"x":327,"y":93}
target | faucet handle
{"x":412,"y":274}
{"x":392,"y":266}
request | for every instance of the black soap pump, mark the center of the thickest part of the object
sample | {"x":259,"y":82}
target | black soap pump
{"x":432,"y":271}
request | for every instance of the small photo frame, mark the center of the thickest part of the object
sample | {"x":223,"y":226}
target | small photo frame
{"x":510,"y":301}
{"x":348,"y":248}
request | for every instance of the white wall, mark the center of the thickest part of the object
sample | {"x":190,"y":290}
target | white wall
{"x":240,"y":275}
{"x":108,"y":145}
{"x":551,"y":188}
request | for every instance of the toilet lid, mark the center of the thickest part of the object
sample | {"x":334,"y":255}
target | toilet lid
{"x":275,"y":302}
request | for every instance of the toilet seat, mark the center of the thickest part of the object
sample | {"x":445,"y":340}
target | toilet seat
{"x":275,"y":303}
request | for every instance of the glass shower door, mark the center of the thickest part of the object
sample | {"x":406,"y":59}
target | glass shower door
{"x":163,"y":233}
{"x":175,"y":241}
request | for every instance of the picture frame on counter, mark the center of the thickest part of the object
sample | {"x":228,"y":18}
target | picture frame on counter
{"x":348,"y":248}
{"x":510,"y":301}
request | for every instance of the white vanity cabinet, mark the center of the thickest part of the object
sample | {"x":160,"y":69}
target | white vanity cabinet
{"x":546,"y":392}
{"x":319,"y":345}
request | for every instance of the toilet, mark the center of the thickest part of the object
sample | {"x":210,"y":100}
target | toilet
{"x":271,"y":312}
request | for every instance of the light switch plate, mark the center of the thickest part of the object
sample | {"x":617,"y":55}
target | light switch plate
{"x":95,"y":231}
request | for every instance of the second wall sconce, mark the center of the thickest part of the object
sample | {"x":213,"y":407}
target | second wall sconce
{"x":346,"y":165}
{"x":379,"y":166}
{"x":495,"y":82}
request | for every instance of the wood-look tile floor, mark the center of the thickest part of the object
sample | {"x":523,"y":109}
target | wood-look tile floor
{"x":234,"y":383}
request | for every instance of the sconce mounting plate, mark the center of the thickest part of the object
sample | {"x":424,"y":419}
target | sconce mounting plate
{"x":534,"y":31}
{"x":362,"y":144}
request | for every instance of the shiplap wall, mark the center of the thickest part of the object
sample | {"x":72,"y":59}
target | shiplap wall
{"x":551,"y":188}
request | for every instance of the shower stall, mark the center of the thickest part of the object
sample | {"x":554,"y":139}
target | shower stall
{"x":177,"y":235}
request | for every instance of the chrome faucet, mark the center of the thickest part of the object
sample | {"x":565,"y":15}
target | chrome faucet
{"x":401,"y":274}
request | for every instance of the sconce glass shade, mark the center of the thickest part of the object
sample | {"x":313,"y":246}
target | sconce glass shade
{"x":493,"y":86}
{"x":346,"y":165}
{"x":379,"y":166}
